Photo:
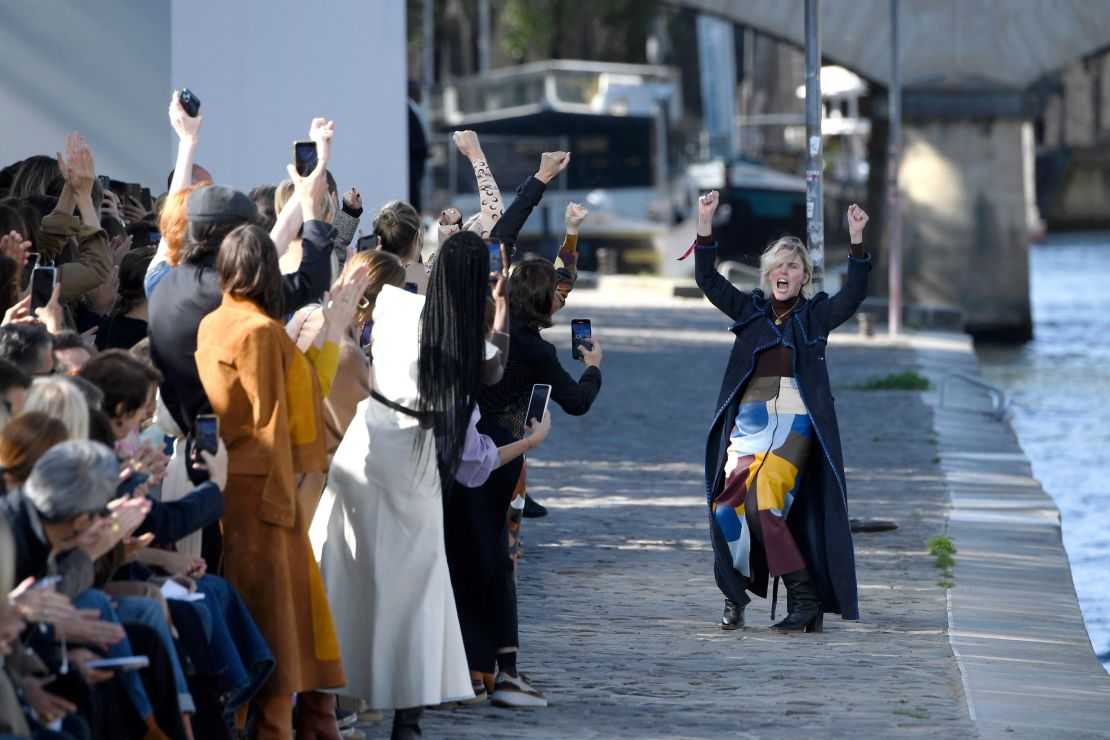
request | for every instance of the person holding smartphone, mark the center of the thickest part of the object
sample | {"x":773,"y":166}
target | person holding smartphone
{"x":476,"y":531}
{"x":267,"y":396}
{"x":391,"y":592}
{"x":774,"y":467}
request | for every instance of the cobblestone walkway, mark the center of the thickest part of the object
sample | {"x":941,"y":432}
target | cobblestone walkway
{"x":618,"y":609}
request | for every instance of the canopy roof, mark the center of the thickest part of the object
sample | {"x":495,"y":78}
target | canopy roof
{"x":946,"y":44}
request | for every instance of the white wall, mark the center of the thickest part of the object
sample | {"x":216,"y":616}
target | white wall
{"x":99,"y":68}
{"x":264,"y":68}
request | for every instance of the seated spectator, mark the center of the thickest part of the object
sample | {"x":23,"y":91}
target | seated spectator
{"x":29,"y":347}
{"x":71,"y":352}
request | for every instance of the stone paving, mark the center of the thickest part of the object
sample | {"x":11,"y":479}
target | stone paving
{"x":618,"y":608}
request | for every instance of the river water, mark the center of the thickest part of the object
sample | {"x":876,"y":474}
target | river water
{"x":1060,"y":384}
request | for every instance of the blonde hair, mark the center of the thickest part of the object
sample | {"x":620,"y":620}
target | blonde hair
{"x":385,"y":269}
{"x":62,"y":399}
{"x":780,"y":251}
{"x":284,"y":191}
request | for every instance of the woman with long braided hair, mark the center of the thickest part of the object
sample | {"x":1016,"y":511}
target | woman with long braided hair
{"x":378,"y":530}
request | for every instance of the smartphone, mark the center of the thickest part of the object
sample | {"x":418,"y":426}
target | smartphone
{"x":47,"y":582}
{"x":105,"y":182}
{"x":145,"y":199}
{"x":155,"y":237}
{"x":580,"y":333}
{"x":495,"y":264}
{"x":208,"y":433}
{"x":32,"y":263}
{"x":412,"y":287}
{"x":135,"y":192}
{"x":126,"y":663}
{"x":118,"y":187}
{"x":367,"y":243}
{"x":364,"y":336}
{"x":537,"y":405}
{"x":304,"y":157}
{"x":42,"y":286}
{"x":189,"y":102}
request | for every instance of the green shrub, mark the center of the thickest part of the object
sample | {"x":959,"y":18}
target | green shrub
{"x":904,"y":381}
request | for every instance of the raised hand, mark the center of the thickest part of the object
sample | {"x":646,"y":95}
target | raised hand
{"x":341,"y":303}
{"x":857,"y":219}
{"x":187,"y":127}
{"x":467,"y":142}
{"x":78,"y":165}
{"x":51,"y":314}
{"x":20,"y":313}
{"x":575,"y":215}
{"x":707,"y":206}
{"x":352,"y":200}
{"x":103,"y":297}
{"x":110,"y":206}
{"x":312,"y":189}
{"x":13,"y":245}
{"x":322,"y":131}
{"x":551,"y":164}
{"x":119,"y":246}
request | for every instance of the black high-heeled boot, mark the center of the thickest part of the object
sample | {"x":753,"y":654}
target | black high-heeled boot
{"x":733,"y":618}
{"x":805,"y":613}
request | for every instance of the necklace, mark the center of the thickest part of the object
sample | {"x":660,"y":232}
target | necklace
{"x":778,"y":317}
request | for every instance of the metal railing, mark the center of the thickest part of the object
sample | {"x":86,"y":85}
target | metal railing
{"x":1000,"y":402}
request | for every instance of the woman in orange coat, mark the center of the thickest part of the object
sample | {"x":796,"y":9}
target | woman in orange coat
{"x":267,"y":394}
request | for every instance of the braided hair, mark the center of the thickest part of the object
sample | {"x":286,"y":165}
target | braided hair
{"x":452,"y":343}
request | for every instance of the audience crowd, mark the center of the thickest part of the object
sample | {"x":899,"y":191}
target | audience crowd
{"x":252,"y":464}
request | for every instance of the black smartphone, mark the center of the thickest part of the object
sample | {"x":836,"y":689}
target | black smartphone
{"x":145,"y":199}
{"x":537,"y":404}
{"x":119,"y":187}
{"x":365,"y":334}
{"x":208,"y":433}
{"x":42,"y":286}
{"x":367,"y":243}
{"x":580,"y":333}
{"x":495,"y":264}
{"x":32,"y":263}
{"x":105,"y":182}
{"x":190,"y":102}
{"x":135,"y":192}
{"x":305,"y":157}
{"x":155,"y":237}
{"x":412,"y":287}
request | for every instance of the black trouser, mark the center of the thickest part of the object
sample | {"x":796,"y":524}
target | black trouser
{"x":477,"y":540}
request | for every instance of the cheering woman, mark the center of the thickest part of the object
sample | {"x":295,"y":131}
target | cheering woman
{"x":774,"y":470}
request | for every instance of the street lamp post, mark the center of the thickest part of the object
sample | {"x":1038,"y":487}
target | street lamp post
{"x":894,"y":238}
{"x":815,"y":220}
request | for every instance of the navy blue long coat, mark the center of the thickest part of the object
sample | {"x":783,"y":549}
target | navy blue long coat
{"x":818,"y":518}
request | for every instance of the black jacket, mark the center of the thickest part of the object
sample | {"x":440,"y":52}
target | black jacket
{"x":188,"y":293}
{"x":819,"y":515}
{"x":32,"y":548}
{"x":532,"y":360}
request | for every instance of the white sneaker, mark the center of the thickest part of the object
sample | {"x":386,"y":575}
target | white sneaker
{"x":510,"y":691}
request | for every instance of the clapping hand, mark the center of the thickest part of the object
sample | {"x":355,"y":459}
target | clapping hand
{"x":77,"y":166}
{"x":857,"y":219}
{"x":341,"y":303}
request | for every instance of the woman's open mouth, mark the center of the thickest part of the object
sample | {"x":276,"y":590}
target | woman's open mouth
{"x":781,"y":283}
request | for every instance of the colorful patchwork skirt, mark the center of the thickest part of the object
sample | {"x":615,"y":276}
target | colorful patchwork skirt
{"x":763,"y":467}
